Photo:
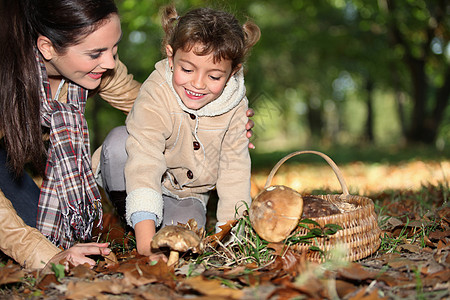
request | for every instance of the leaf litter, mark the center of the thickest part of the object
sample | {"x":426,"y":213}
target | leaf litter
{"x":413,"y":262}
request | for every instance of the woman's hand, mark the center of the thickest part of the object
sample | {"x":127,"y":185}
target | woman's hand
{"x":250,"y":124}
{"x":77,"y":255}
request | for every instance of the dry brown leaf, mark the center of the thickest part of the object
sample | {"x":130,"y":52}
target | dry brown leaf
{"x":212,"y":240}
{"x":94,"y":289}
{"x":212,"y":288}
{"x":11,"y":273}
{"x":401,"y":263}
{"x":356,"y":272}
{"x":314,"y":288}
{"x":363,"y":295}
{"x":410,"y":248}
{"x":439,"y":235}
{"x":45,"y":281}
{"x":443,"y":275}
{"x":83,"y":271}
{"x":111,"y":260}
{"x":285,"y":294}
{"x":344,"y":288}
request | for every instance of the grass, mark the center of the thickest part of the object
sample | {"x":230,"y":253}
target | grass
{"x":344,"y":155}
{"x":415,"y":223}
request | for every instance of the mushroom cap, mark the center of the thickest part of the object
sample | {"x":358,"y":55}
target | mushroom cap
{"x":177,"y":238}
{"x":275,"y":212}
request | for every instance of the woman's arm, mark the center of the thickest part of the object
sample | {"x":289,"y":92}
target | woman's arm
{"x":118,"y":88}
{"x":25,"y":244}
{"x":31,"y":249}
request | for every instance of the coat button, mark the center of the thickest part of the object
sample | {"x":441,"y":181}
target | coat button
{"x":189,"y":174}
{"x":196,"y":145}
{"x":192,"y":116}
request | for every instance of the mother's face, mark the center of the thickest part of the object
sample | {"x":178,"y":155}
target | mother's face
{"x":85,"y":62}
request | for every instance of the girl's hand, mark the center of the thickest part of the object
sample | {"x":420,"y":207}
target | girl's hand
{"x":144,"y":231}
{"x":77,"y":255}
{"x":250,"y":124}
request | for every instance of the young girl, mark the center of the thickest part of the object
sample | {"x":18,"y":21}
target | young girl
{"x":186,"y":128}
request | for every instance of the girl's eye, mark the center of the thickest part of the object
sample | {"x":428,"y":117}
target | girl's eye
{"x":186,"y":70}
{"x":214,"y":78}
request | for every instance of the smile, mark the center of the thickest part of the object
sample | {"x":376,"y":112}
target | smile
{"x":94,"y":75}
{"x":191,"y":93}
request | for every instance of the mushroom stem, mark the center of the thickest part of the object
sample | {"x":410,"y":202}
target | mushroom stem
{"x":173,"y":258}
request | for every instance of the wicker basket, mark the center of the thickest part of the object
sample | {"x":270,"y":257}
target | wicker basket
{"x":360,"y":234}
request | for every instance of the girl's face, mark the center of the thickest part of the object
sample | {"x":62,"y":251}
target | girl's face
{"x":197,"y":79}
{"x":85,"y":62}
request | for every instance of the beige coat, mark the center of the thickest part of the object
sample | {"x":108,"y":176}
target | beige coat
{"x":25,"y":244}
{"x":182,"y":153}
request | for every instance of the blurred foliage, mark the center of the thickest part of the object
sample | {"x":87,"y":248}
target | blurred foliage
{"x":325,"y":73}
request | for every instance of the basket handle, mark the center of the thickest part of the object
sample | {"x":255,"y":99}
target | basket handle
{"x":332,"y":164}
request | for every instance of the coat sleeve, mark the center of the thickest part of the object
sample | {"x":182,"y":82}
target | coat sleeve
{"x":149,"y":125}
{"x":233,"y":184}
{"x":119,"y":88}
{"x":25,"y":244}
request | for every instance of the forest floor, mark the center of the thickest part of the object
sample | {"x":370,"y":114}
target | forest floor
{"x":413,"y":261}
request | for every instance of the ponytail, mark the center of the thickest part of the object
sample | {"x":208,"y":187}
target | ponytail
{"x":252,"y":36}
{"x":169,"y":16}
{"x":19,"y":93}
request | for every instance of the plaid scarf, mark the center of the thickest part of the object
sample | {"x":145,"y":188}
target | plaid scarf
{"x":69,"y":201}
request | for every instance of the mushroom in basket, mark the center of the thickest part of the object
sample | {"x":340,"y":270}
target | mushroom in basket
{"x":275,"y":212}
{"x":178,"y":239}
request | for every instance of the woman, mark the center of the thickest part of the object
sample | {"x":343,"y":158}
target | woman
{"x":53,"y":55}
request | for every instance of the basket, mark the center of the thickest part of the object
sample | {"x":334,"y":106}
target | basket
{"x":360,"y":234}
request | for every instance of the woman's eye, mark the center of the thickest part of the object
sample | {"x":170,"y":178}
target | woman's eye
{"x":95,"y":55}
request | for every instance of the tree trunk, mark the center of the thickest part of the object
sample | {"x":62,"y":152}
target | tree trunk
{"x":421,"y":129}
{"x":369,"y":121}
{"x":315,"y":120}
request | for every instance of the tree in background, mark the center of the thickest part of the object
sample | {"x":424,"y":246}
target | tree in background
{"x":420,"y":30}
{"x":318,"y":60}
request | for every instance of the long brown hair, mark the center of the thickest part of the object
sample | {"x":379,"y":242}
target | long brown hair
{"x":219,"y":33}
{"x":65,"y":23}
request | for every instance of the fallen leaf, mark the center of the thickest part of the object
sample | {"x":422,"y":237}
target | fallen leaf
{"x":111,"y":260}
{"x":285,"y":294}
{"x":83,"y":271}
{"x":409,"y":247}
{"x":402,"y":262}
{"x":439,"y":235}
{"x":212,"y":287}
{"x":11,"y":273}
{"x":344,"y":288}
{"x":212,"y":240}
{"x":48,"y":279}
{"x":363,"y":295}
{"x":95,"y":289}
{"x":443,"y":275}
{"x":356,"y":272}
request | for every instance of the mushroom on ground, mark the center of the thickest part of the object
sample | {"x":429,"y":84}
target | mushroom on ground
{"x":177,"y":239}
{"x":275,"y":212}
